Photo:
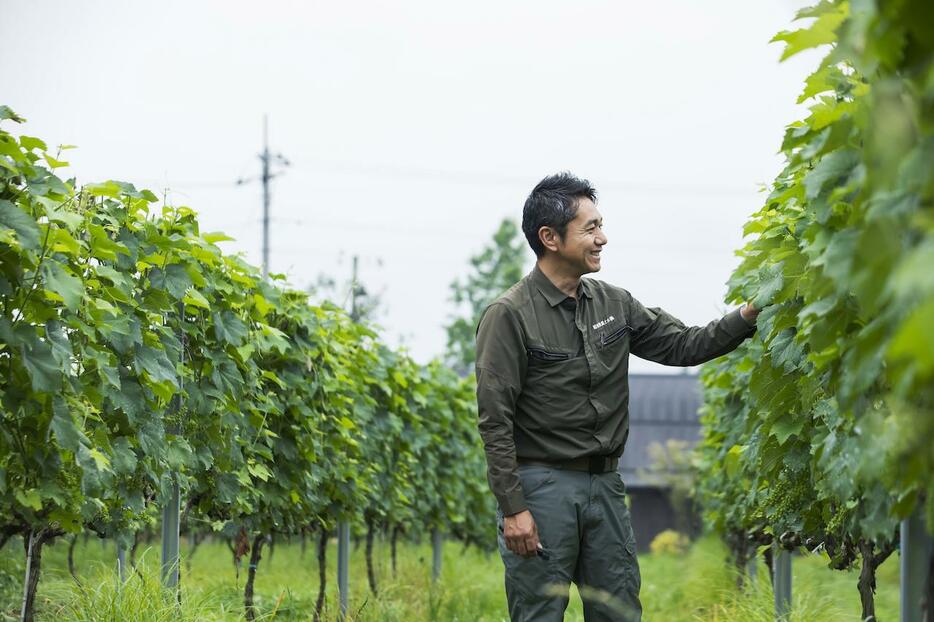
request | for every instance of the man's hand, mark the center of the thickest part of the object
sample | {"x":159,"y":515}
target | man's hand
{"x":749,"y":313}
{"x":521,"y":534}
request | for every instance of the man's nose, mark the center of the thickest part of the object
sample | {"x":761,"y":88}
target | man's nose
{"x":601,"y":238}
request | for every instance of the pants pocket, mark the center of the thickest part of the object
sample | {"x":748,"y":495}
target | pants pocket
{"x":534,"y":478}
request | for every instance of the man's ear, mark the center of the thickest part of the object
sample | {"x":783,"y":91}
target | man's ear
{"x":549,"y":238}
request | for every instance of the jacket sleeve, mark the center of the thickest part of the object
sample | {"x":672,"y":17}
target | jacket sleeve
{"x":501,"y":368}
{"x":659,"y":336}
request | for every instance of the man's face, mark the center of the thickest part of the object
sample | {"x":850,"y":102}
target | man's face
{"x":584,"y":239}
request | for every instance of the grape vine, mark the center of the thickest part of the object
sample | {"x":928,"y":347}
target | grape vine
{"x":821,"y":425}
{"x":135,"y":354}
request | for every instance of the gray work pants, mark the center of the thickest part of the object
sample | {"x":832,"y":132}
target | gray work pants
{"x":584,"y":527}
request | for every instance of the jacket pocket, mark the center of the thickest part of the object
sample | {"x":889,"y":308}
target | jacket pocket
{"x":546,"y":355}
{"x":613,"y":337}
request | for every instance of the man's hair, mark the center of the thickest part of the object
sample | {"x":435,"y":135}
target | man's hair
{"x":553,"y":203}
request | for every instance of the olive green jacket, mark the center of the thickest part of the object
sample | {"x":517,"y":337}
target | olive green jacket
{"x":552,"y":371}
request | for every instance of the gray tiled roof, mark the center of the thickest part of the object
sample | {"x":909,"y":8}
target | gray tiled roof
{"x":661,"y":407}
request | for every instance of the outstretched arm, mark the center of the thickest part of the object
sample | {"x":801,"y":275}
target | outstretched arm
{"x":659,"y":336}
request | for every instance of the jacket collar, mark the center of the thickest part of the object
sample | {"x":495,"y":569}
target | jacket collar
{"x":550,"y":291}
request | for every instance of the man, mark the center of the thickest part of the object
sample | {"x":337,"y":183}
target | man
{"x":553,"y":395}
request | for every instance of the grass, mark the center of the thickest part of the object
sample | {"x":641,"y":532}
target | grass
{"x":694,"y":587}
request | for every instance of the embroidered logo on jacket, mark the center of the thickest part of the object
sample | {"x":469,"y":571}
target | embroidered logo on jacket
{"x":603,"y":323}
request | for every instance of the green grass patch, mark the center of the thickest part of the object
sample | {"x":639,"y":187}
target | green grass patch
{"x":696,"y":586}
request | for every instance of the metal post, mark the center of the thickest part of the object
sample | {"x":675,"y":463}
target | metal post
{"x":171,"y":510}
{"x":435,"y":554}
{"x":343,"y":566}
{"x":170,"y":536}
{"x":781,"y":582}
{"x":752,"y":568}
{"x":121,"y":563}
{"x":916,"y":550}
{"x":29,"y":547}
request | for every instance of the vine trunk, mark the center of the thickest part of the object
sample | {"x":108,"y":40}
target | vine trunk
{"x":322,"y":572}
{"x":255,"y":555}
{"x":370,"y":570}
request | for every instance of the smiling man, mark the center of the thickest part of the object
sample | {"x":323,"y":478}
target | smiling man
{"x":553,"y":397}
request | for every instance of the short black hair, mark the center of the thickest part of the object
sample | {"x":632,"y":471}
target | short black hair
{"x":553,"y":203}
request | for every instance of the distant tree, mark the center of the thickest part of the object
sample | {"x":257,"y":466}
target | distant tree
{"x":494,"y":270}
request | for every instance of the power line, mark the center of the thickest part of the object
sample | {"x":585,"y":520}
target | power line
{"x":490,"y":178}
{"x":476,"y":178}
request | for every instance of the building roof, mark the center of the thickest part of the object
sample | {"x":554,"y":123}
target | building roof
{"x":662,"y":407}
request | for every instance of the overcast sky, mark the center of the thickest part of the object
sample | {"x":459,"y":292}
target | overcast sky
{"x":414,"y":127}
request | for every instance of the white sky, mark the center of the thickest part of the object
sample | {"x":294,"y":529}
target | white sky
{"x":414,"y":127}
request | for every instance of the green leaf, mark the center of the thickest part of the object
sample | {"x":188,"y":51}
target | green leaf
{"x":731,"y":460}
{"x":156,"y":364}
{"x":103,"y":306}
{"x":124,"y":458}
{"x":44,"y":372}
{"x":195,"y":299}
{"x":129,"y":398}
{"x":786,"y":353}
{"x":821,"y":32}
{"x":818,"y":308}
{"x":259,"y":470}
{"x":229,"y":328}
{"x":63,"y":283}
{"x":30,"y":143}
{"x":771,"y":280}
{"x":64,"y":427}
{"x":27,"y":231}
{"x":817,"y":83}
{"x":915,"y":340}
{"x":29,"y":499}
{"x":61,"y":346}
{"x":103,"y":189}
{"x":786,"y":426}
{"x":64,"y":242}
{"x":102,"y":246}
{"x":53,"y":163}
{"x":97,"y":458}
{"x":274,"y":378}
{"x":216,"y":236}
{"x":178,"y":453}
{"x":7,"y":113}
{"x":174,"y":278}
{"x":831,"y":168}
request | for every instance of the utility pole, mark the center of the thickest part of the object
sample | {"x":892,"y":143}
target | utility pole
{"x":343,"y":528}
{"x":354,"y":312}
{"x":265,"y":177}
{"x":264,"y":156}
